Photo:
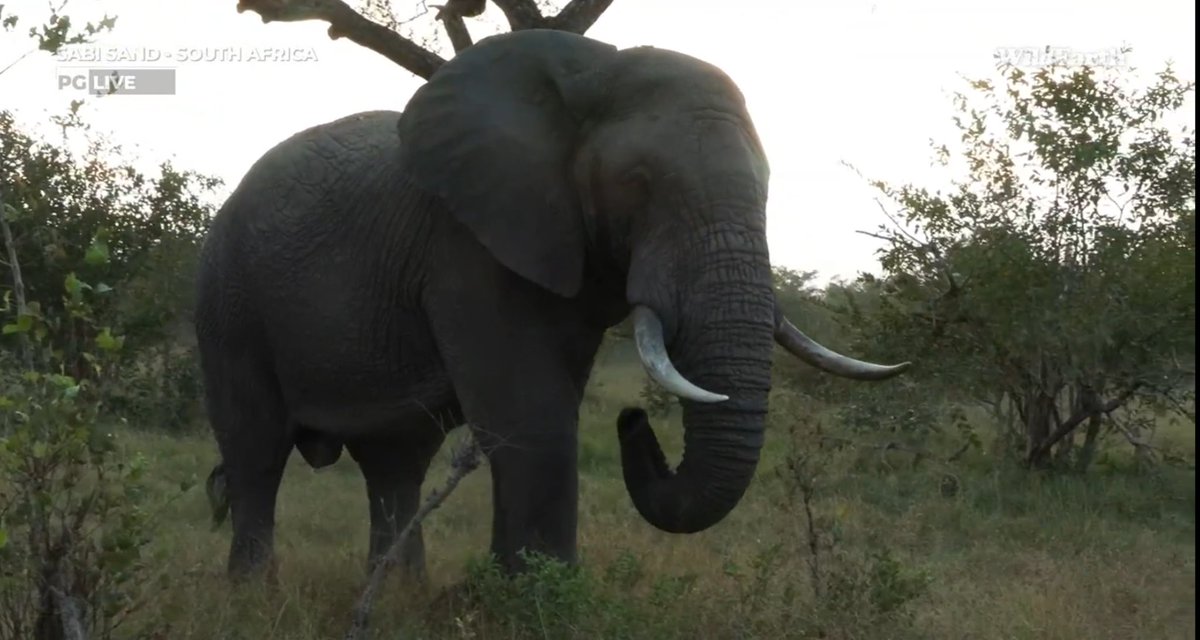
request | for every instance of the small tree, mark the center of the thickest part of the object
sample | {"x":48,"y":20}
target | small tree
{"x":92,"y":214}
{"x":1058,"y":274}
{"x":72,"y":525}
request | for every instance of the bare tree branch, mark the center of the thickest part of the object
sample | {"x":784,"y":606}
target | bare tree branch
{"x":579,"y":15}
{"x":1038,"y":452}
{"x":462,"y":8}
{"x":521,"y":14}
{"x":1145,"y":447}
{"x":452,"y":20}
{"x":465,"y":460}
{"x":345,"y":22}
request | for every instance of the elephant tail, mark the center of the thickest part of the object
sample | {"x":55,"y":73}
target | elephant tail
{"x":218,"y":496}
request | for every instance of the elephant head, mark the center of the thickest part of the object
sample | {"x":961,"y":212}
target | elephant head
{"x":569,"y":159}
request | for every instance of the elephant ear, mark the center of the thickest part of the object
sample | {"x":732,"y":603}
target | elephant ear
{"x":493,"y":134}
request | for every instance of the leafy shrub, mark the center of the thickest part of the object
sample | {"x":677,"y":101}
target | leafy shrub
{"x":73,"y":528}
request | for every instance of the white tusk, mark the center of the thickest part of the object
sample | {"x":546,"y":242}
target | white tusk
{"x":825,"y":359}
{"x":648,"y":335}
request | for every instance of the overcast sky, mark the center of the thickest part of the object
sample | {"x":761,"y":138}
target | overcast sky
{"x":861,"y":81}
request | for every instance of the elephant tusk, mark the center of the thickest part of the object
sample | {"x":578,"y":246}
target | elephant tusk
{"x":825,"y":359}
{"x":648,"y":335}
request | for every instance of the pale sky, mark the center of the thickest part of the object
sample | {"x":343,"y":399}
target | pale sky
{"x":861,"y":81}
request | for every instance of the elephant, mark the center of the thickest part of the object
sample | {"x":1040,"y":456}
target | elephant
{"x":376,"y":281}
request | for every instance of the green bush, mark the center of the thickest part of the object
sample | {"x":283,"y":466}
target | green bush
{"x":73,"y":527}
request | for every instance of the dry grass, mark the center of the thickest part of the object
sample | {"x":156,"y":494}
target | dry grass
{"x":1012,"y":555}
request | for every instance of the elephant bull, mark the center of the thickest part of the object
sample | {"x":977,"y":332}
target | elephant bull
{"x":377,"y":280}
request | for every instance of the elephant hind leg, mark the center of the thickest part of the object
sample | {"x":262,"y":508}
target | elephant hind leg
{"x":394,"y":469}
{"x":249,"y":418}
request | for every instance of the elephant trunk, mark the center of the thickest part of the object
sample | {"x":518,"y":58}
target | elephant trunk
{"x":722,"y":344}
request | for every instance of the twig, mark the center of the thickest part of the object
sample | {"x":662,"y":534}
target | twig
{"x":1137,"y":442}
{"x":961,"y":450}
{"x":464,"y":461}
{"x":14,"y":62}
{"x":803,"y":479}
{"x":814,"y":546}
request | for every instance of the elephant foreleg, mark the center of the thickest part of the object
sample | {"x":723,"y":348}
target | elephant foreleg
{"x":394,"y":470}
{"x":520,"y":390}
{"x":535,"y":489}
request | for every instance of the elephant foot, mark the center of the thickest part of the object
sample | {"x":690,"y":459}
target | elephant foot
{"x":264,"y":575}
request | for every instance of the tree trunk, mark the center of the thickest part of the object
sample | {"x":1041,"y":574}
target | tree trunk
{"x":18,"y":284}
{"x":1038,"y":413}
{"x":1066,"y":446}
{"x":1087,"y":453}
{"x":1088,"y":397}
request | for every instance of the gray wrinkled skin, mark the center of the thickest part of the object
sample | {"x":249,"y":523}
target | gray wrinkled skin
{"x":378,"y":280}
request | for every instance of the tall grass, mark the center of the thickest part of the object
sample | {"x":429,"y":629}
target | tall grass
{"x":1004,"y":553}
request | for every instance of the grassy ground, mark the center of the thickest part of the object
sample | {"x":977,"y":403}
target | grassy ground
{"x":1006,"y":554}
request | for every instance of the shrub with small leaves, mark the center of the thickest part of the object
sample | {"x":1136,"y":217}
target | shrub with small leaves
{"x":72,"y":524}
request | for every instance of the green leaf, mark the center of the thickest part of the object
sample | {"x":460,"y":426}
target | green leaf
{"x":63,"y":381}
{"x":3,"y":538}
{"x":22,"y":325}
{"x":108,"y":342}
{"x":75,"y":287}
{"x":97,"y":254}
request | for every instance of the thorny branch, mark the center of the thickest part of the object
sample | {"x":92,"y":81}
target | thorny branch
{"x":465,"y":460}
